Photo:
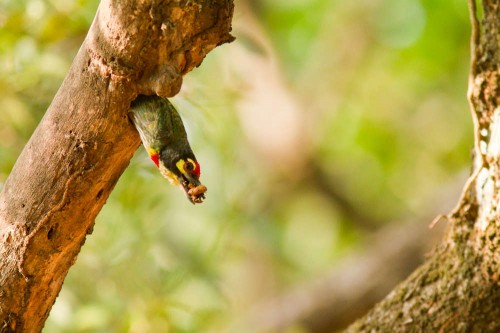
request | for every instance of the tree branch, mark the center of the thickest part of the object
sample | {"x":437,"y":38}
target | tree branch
{"x":457,"y":289}
{"x":85,"y":141}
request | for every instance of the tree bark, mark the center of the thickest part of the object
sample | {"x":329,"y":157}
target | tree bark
{"x":457,"y":289}
{"x":85,"y":141}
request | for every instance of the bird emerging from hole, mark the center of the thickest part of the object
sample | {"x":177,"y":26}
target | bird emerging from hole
{"x":164,"y":137}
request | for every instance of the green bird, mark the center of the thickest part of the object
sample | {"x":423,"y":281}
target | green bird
{"x":164,"y":137}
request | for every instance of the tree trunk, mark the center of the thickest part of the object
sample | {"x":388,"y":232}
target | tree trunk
{"x":85,"y":141}
{"x":457,"y":289}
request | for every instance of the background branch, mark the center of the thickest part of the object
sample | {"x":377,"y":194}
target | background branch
{"x":457,"y":288}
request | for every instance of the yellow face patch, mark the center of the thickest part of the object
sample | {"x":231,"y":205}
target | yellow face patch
{"x":181,"y":165}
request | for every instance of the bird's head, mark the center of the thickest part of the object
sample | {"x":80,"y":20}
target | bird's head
{"x":181,"y":168}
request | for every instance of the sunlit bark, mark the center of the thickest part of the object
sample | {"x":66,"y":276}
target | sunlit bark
{"x":85,"y":141}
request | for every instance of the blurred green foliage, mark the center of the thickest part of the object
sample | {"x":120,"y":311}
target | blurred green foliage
{"x":316,"y":100}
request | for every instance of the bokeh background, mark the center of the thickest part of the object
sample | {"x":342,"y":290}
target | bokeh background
{"x":324,"y":123}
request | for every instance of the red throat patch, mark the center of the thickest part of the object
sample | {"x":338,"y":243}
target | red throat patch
{"x":156,"y":159}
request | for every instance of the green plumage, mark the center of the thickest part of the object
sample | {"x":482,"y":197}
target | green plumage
{"x":158,"y":123}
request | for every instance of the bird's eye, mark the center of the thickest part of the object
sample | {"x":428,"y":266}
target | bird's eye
{"x":189,"y":166}
{"x":193,"y":168}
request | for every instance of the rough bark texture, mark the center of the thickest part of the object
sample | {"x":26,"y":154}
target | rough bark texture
{"x":457,"y":289}
{"x":85,"y":141}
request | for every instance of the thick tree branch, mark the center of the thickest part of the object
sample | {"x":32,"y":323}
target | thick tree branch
{"x":457,"y":289}
{"x":85,"y":141}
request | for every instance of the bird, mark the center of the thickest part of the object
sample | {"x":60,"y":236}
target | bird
{"x":163,"y":135}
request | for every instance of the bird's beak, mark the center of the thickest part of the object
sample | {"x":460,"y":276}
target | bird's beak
{"x":193,"y":188}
